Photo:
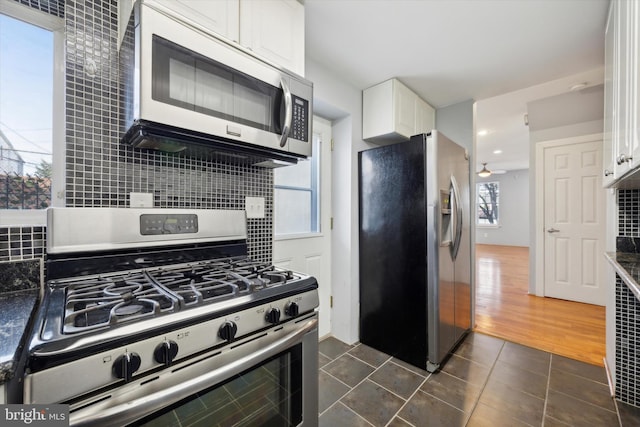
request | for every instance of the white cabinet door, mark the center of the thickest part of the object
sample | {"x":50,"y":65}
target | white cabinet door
{"x":609,"y":153}
{"x":222,"y":17}
{"x":633,"y":116}
{"x":425,"y":117}
{"x":274,"y":29}
{"x":404,"y":109}
{"x":624,"y":146}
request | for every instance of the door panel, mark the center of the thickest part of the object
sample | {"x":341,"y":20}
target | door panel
{"x":574,"y":222}
{"x":311,"y":254}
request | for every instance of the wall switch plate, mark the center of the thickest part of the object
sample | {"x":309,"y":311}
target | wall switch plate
{"x":254,"y":207}
{"x":140,"y":200}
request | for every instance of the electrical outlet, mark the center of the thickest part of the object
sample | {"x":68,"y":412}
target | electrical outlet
{"x":254,"y":206}
{"x":140,"y":200}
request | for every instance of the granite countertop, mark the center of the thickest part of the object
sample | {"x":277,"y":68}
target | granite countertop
{"x":627,"y":265}
{"x":20,"y":285}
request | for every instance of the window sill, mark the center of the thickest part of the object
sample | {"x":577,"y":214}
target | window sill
{"x":19,"y":217}
{"x":297,"y":236}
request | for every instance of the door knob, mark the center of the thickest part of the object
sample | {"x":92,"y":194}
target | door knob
{"x":553,"y":230}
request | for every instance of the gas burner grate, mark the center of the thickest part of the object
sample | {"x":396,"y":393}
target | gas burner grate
{"x":112,"y":299}
{"x":97,"y":302}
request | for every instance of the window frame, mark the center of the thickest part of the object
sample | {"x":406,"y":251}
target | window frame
{"x":314,"y":189}
{"x":28,"y":217}
{"x":477,"y":203}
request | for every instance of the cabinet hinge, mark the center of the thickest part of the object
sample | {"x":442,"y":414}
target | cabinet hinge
{"x":331,"y":224}
{"x":331,"y":301}
{"x":331,"y":144}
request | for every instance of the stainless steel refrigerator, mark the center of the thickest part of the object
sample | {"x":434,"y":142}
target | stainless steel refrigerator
{"x":415,"y":252}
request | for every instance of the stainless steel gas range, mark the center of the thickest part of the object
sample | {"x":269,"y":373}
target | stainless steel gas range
{"x":159,"y":316}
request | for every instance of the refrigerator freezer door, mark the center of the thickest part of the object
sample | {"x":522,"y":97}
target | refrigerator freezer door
{"x":393,"y":251}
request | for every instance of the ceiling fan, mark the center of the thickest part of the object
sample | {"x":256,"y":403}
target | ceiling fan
{"x":484,"y":172}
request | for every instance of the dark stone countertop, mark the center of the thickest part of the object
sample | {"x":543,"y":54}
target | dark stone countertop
{"x":627,"y":265}
{"x":20,"y":285}
{"x":16,"y":309}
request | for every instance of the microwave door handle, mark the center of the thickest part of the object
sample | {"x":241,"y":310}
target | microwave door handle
{"x":288,"y":116}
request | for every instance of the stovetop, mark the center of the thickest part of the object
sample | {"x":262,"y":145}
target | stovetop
{"x":111,"y":299}
{"x":116,"y":277}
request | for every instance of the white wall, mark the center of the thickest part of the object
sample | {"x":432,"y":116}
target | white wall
{"x":336,"y":100}
{"x":456,"y":122}
{"x":513,"y":211}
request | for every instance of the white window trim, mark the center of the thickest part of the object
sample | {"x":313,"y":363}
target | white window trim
{"x":11,"y":217}
{"x":498,"y":225}
{"x":295,"y":236}
{"x":315,"y":204}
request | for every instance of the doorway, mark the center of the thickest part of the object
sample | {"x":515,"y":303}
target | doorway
{"x":570,"y":220}
{"x":505,"y":309}
{"x":307,"y":247}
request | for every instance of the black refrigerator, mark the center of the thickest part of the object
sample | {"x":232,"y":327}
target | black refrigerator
{"x":415,"y":252}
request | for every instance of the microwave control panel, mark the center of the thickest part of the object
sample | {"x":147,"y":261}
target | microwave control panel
{"x":300,"y":120}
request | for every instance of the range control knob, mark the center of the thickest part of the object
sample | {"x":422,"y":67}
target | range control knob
{"x":228,"y":330}
{"x":166,"y":352}
{"x":126,"y":365}
{"x":273,"y":315}
{"x":292,"y":309}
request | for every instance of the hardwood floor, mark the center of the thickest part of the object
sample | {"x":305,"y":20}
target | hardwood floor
{"x":504,"y":309}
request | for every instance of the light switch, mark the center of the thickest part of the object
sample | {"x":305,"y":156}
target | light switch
{"x":254,"y":206}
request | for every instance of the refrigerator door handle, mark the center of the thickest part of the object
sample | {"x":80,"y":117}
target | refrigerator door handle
{"x":456,"y":211}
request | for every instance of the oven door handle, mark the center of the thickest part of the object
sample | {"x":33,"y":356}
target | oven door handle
{"x":131,"y":411}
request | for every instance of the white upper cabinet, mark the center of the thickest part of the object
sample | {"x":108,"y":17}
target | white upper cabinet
{"x":391,"y":112}
{"x":220,"y":16}
{"x":622,"y":84}
{"x":633,"y":116}
{"x":609,"y":153}
{"x":272,"y":29}
{"x":624,"y":145}
{"x":425,"y":117}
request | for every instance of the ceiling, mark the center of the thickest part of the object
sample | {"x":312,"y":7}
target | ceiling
{"x":498,"y":52}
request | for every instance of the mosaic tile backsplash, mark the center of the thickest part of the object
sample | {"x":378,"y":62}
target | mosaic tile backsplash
{"x":627,"y":344}
{"x":101,"y":171}
{"x":627,"y":305}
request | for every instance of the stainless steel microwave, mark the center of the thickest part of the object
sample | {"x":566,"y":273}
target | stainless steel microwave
{"x":184,"y":87}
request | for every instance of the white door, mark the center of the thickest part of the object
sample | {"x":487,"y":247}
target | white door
{"x":574,"y":220}
{"x":309,"y":252}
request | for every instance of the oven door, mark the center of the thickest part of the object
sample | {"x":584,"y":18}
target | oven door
{"x":269,"y":379}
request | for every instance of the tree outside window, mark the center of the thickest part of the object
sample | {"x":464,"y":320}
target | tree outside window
{"x":488,"y":203}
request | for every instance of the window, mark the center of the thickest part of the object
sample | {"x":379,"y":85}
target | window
{"x":297,"y":195}
{"x":31,"y":122}
{"x":488,"y":203}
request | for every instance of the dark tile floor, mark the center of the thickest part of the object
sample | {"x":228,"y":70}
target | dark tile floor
{"x":486,"y":382}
